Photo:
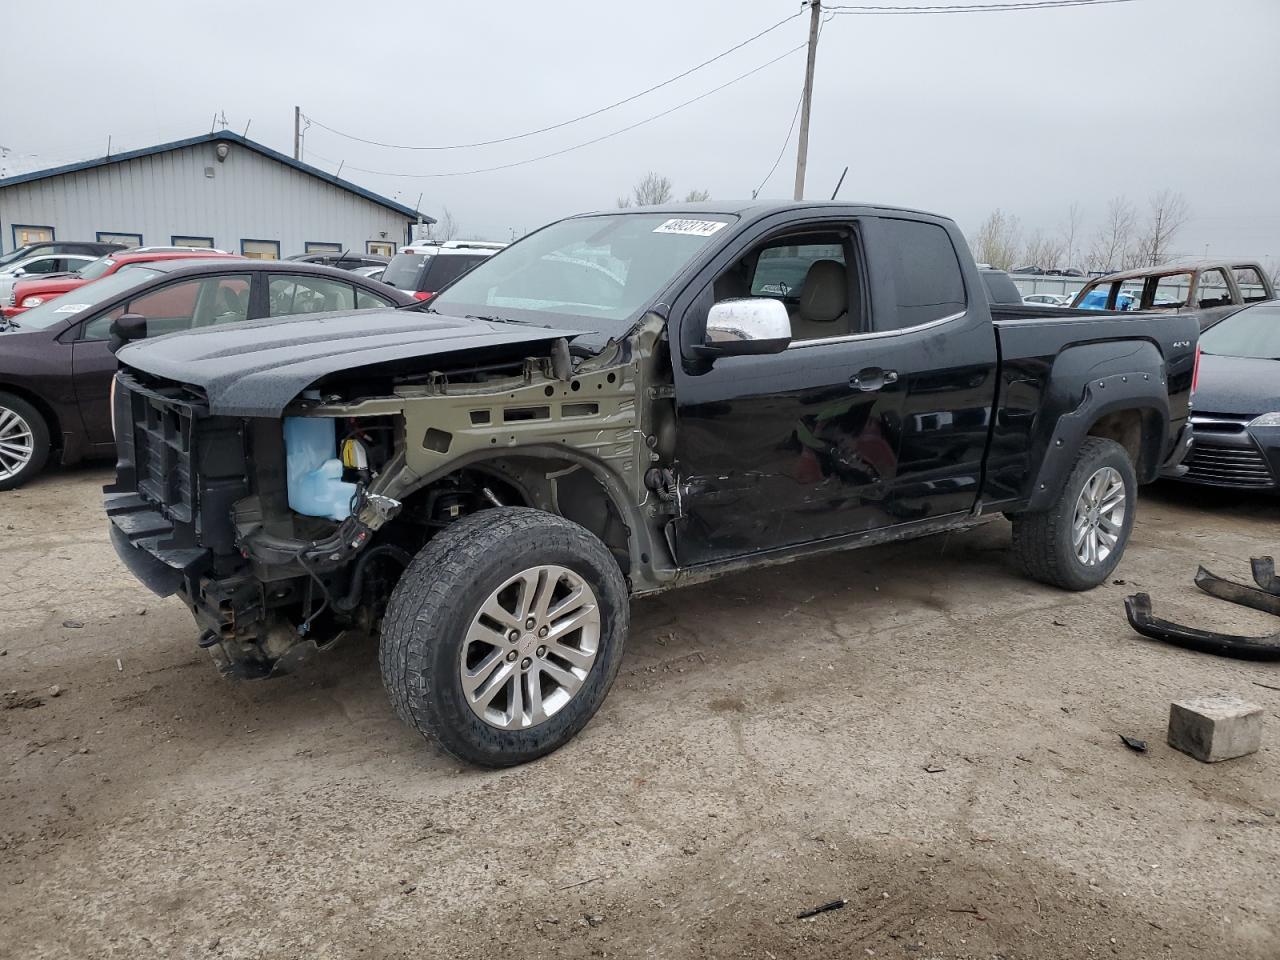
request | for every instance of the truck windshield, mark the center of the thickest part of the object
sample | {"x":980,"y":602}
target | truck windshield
{"x":96,"y":268}
{"x":13,"y":256}
{"x":82,"y":299}
{"x":586,"y":273}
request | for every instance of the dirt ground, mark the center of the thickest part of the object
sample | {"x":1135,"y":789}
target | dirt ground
{"x":767,"y":749}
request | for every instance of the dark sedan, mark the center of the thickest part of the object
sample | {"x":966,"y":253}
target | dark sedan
{"x":56,"y":365}
{"x":1236,"y":421}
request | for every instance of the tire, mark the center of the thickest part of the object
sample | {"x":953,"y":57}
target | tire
{"x":24,"y":436}
{"x":428,"y":648}
{"x":1043,"y":542}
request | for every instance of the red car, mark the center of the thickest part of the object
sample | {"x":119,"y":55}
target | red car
{"x":32,"y":293}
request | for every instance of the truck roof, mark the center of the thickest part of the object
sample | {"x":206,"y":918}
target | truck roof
{"x":753,"y":209}
{"x":1184,"y":265}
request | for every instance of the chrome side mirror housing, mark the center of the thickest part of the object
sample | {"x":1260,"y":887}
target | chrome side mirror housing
{"x":751,"y":325}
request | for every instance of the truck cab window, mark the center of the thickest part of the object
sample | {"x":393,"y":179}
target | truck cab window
{"x":925,"y":271}
{"x":809,"y":273}
{"x":1212,"y":290}
{"x":1252,"y":287}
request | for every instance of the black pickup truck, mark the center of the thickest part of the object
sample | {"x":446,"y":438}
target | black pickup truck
{"x":617,"y":404}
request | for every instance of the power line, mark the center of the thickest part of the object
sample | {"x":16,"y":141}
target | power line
{"x":884,"y":10}
{"x":576,"y":146}
{"x":786,"y":140}
{"x":565,"y":123}
{"x":795,"y":114}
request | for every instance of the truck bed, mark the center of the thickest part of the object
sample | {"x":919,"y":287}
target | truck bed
{"x":1077,"y":368}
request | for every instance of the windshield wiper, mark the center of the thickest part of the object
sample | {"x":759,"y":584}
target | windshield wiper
{"x":10,"y":325}
{"x":523,"y":323}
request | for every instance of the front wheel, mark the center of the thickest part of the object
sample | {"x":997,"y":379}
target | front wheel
{"x":504,"y":635}
{"x":24,"y":441}
{"x":1077,"y":543}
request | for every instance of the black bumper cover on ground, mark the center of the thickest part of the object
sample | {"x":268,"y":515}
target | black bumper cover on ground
{"x":1266,"y":599}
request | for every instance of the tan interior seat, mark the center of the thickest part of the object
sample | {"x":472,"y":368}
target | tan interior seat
{"x":823,"y":310}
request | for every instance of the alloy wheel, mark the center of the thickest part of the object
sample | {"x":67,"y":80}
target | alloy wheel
{"x":530,"y":647}
{"x":17,"y":445}
{"x":1099,"y":517}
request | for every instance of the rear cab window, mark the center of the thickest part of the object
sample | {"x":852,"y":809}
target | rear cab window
{"x":445,"y":268}
{"x":924,"y":282}
{"x":406,"y":269}
{"x":1253,"y":288}
{"x":1212,"y":290}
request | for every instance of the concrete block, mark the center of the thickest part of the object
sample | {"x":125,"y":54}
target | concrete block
{"x":1215,"y":727}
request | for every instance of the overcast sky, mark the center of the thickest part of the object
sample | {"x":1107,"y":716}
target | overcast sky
{"x":956,"y":114}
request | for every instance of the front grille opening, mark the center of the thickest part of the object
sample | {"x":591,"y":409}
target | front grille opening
{"x":1228,"y":466}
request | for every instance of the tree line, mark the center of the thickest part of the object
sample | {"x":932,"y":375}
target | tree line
{"x":1125,"y":239}
{"x":653,"y":190}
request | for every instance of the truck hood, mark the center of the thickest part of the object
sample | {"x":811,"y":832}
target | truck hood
{"x":257,"y":368}
{"x":1243,"y":386}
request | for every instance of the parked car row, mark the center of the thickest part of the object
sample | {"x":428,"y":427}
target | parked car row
{"x":56,"y":364}
{"x":32,"y":293}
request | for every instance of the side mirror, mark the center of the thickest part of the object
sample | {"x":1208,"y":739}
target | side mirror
{"x":127,"y":327}
{"x":20,"y":272}
{"x":752,"y":325}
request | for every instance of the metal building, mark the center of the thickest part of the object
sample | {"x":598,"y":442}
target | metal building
{"x":218,"y":190}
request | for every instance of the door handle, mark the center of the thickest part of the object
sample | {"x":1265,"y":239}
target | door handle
{"x":871,"y":379}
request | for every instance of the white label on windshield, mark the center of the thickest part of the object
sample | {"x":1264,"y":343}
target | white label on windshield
{"x":72,"y":308}
{"x":690,"y":228}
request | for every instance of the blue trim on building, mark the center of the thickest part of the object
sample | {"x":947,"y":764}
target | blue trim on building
{"x":117,"y":233}
{"x":177,"y":239}
{"x":328,"y":245}
{"x":218,"y":136}
{"x":15,"y":227}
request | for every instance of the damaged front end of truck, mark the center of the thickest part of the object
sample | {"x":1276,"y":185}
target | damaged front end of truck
{"x":282,"y":491}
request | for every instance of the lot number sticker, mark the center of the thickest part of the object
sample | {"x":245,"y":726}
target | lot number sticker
{"x":690,"y":228}
{"x":72,"y":308}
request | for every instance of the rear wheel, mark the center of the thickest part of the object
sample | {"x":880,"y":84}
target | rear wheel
{"x":504,"y":635}
{"x":1077,"y":543}
{"x":24,"y":441}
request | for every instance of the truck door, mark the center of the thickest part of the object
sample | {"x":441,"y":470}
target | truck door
{"x":939,"y":341}
{"x":873,"y":417}
{"x":794,"y":447}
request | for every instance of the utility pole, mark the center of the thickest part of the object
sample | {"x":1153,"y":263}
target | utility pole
{"x":802,"y":150}
{"x":297,"y":133}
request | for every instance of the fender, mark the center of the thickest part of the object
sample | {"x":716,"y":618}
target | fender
{"x":648,"y":561}
{"x":1087,"y":383}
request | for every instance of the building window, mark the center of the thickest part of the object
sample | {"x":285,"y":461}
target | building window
{"x":260,"y":249}
{"x":383,"y":248}
{"x":24,"y":233}
{"x":316,"y":246}
{"x":180,"y":241}
{"x":128,"y":239}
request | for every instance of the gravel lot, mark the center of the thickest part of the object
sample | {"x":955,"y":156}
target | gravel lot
{"x":766,"y":749}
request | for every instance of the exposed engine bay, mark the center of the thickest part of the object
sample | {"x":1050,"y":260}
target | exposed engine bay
{"x":297,"y":528}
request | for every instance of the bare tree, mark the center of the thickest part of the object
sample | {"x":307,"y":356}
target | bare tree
{"x":1113,"y":242}
{"x":1071,"y":234}
{"x":445,"y":227}
{"x":1043,"y":251}
{"x":1168,"y":214}
{"x":996,"y":241}
{"x":697,"y":196}
{"x":651,"y":190}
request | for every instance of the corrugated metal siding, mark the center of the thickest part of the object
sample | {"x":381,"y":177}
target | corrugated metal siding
{"x":249,"y":197}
